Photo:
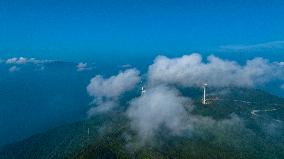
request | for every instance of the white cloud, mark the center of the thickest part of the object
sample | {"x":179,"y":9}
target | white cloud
{"x":113,"y":86}
{"x":11,"y":60}
{"x":24,"y":60}
{"x":83,"y":67}
{"x":159,"y":106}
{"x":14,"y":69}
{"x":190,"y":70}
{"x":106,"y":91}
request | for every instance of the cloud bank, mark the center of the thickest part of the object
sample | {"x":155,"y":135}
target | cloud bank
{"x":107,"y":91}
{"x":190,"y":70}
{"x":162,"y":107}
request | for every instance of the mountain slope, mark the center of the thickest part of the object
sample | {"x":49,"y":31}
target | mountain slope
{"x":238,"y":123}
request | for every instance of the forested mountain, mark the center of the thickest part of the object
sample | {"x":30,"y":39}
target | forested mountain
{"x":237,"y":123}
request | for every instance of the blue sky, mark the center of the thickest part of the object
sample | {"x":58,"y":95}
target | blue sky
{"x":117,"y":32}
{"x":94,"y":29}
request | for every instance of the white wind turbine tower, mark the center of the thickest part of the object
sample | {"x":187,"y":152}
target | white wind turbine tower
{"x":204,"y":93}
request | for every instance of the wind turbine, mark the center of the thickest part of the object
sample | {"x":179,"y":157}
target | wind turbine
{"x":143,"y":91}
{"x":204,"y":93}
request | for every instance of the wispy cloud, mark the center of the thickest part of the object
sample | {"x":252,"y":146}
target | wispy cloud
{"x":14,"y":69}
{"x":83,"y":67}
{"x":282,"y":86}
{"x":24,"y":60}
{"x":272,"y":45}
{"x":16,"y":62}
{"x":126,"y":66}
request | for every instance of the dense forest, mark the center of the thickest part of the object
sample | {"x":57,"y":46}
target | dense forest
{"x":228,"y":127}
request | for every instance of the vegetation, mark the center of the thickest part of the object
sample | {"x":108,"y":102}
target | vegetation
{"x":110,"y":135}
